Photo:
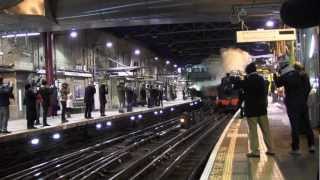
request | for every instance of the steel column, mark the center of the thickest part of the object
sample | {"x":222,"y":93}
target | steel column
{"x":47,"y":47}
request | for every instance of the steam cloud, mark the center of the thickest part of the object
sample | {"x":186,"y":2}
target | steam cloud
{"x":234,"y":59}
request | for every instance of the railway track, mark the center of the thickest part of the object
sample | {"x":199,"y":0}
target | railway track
{"x":150,"y":153}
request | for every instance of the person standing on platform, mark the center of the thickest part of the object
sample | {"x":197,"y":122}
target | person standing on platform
{"x":255,"y":100}
{"x":297,"y":87}
{"x":148,"y":94}
{"x":64,"y":91}
{"x":130,"y":98}
{"x":103,"y":91}
{"x":45,"y":93}
{"x":143,"y":95}
{"x":54,"y":103}
{"x":89,"y":100}
{"x":30,"y":100}
{"x":69,"y":105}
{"x":121,"y":96}
{"x":5,"y":96}
{"x":160,"y":95}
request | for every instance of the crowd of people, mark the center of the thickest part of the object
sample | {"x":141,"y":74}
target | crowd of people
{"x":40,"y":95}
{"x":149,"y":95}
{"x":255,"y":92}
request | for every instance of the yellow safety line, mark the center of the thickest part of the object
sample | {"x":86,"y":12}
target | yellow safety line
{"x":210,"y":164}
{"x":227,"y":171}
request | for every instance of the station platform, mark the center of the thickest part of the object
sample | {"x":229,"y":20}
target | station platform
{"x":19,"y":129}
{"x":228,"y":159}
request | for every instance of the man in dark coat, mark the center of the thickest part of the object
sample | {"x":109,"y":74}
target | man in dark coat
{"x":30,"y":102}
{"x":143,"y":95}
{"x":255,"y":98}
{"x":130,"y":98}
{"x":45,"y":93}
{"x":103,"y":91}
{"x":5,"y":95}
{"x":89,"y":100}
{"x":121,"y":96}
{"x":297,"y":87}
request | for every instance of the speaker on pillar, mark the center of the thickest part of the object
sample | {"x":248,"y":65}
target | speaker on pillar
{"x":301,"y":13}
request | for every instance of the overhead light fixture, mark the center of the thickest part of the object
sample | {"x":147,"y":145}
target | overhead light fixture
{"x":21,"y":35}
{"x":73,"y":34}
{"x":137,"y":52}
{"x":161,"y":112}
{"x":156,"y":58}
{"x":312,"y":47}
{"x":175,"y":66}
{"x":270,"y":23}
{"x":109,"y":44}
{"x":167,"y":62}
{"x":155,"y":113}
{"x":140,"y":116}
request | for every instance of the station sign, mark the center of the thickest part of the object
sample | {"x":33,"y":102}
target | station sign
{"x":266,"y":35}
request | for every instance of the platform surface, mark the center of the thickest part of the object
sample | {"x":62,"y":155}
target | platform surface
{"x":19,"y":127}
{"x":228,"y":159}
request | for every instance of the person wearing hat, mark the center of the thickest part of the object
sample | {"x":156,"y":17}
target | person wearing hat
{"x":255,"y":109}
{"x":297,"y":88}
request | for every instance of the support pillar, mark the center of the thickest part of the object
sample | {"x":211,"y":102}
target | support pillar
{"x":47,"y":47}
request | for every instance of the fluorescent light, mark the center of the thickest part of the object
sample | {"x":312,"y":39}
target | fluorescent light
{"x":270,"y":23}
{"x":20,"y":35}
{"x":73,"y":34}
{"x":109,"y":44}
{"x":312,"y":46}
{"x":137,"y":52}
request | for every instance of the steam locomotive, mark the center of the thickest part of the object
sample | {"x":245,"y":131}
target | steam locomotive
{"x":228,"y":95}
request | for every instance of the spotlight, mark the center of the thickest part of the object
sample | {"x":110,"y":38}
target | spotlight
{"x":109,"y":44}
{"x":109,"y":123}
{"x":137,"y":52}
{"x":171,"y":109}
{"x":73,"y":34}
{"x":56,"y":136}
{"x":140,"y":116}
{"x":98,"y":126}
{"x":161,"y":112}
{"x":35,"y":141}
{"x":155,"y":113}
{"x":270,"y":23}
{"x":132,"y":118}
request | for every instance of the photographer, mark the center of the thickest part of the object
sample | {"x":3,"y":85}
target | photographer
{"x":255,"y":100}
{"x":297,"y":87}
{"x":5,"y":96}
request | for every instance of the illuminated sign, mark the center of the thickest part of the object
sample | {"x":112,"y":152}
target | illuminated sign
{"x":266,"y":35}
